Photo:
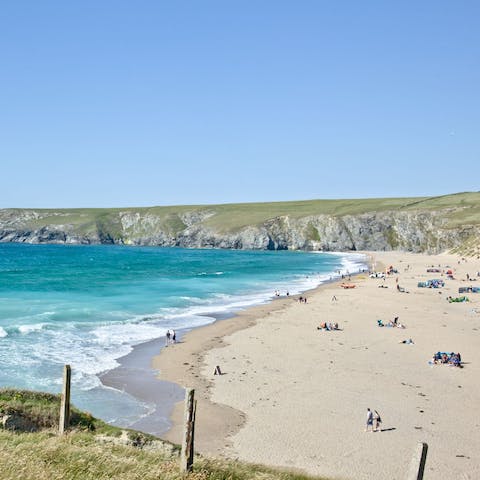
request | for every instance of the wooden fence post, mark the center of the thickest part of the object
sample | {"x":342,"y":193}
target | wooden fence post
{"x":186,"y":458}
{"x":65,"y":402}
{"x":417,"y":465}
{"x":194,"y":414}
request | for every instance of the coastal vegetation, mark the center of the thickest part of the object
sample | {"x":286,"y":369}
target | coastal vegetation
{"x":420,"y":224}
{"x":93,"y":450}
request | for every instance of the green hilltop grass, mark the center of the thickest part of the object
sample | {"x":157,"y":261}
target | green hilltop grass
{"x":252,"y":213}
{"x":91,"y":450}
{"x":460,"y":209}
{"x":465,"y":206}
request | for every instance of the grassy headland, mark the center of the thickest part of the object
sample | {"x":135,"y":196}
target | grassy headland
{"x":419,"y":224}
{"x":463,"y":208}
{"x":93,"y":450}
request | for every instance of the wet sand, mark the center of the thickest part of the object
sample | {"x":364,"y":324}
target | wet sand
{"x":136,"y":376}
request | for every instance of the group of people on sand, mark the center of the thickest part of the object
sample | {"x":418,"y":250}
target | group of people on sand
{"x":278,"y":294}
{"x":391,"y":323}
{"x":328,"y":326}
{"x":454,"y":359}
{"x":171,"y":337}
{"x":373,"y":421}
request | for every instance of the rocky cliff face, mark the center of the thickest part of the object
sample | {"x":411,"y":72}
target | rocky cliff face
{"x":421,"y":231}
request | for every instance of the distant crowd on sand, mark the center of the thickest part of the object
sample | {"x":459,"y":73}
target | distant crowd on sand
{"x":452,"y":358}
{"x":439,"y":358}
{"x":374,"y":420}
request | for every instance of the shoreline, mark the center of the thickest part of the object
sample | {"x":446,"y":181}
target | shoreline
{"x":217,"y":421}
{"x":181,"y":365}
{"x":138,"y":375}
{"x":266,"y":377}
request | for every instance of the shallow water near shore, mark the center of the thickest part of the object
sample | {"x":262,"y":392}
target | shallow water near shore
{"x":89,"y":306}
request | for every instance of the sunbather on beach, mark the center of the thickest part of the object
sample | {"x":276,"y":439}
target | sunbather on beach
{"x":328,"y":326}
{"x":452,"y":358}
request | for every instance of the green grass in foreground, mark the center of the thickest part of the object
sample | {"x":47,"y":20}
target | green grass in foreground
{"x":91,"y":450}
{"x":43,"y":456}
{"x":43,"y":410}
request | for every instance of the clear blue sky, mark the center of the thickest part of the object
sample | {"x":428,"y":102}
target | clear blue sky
{"x":122,"y":103}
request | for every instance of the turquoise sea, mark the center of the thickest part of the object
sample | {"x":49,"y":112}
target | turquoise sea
{"x":88,"y":306}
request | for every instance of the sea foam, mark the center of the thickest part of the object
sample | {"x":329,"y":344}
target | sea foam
{"x":90,"y":306}
{"x":31,"y":328}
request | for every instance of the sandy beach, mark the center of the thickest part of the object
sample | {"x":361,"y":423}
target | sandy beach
{"x":295,"y":396}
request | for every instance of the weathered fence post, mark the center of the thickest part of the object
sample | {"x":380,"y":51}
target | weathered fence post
{"x":65,"y":402}
{"x":417,"y":465}
{"x":194,"y":414}
{"x":186,"y":458}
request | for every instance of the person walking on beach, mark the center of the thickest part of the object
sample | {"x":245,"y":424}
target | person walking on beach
{"x":168,"y":337}
{"x":377,"y":420}
{"x":369,"y":420}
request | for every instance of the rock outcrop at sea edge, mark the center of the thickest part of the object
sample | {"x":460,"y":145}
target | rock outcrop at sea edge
{"x":410,"y":230}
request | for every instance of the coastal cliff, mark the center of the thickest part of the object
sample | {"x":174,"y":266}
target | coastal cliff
{"x":428,"y":224}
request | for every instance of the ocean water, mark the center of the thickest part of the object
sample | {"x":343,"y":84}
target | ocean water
{"x":88,"y":306}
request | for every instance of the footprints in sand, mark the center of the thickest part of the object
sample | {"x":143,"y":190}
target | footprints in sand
{"x":421,"y":409}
